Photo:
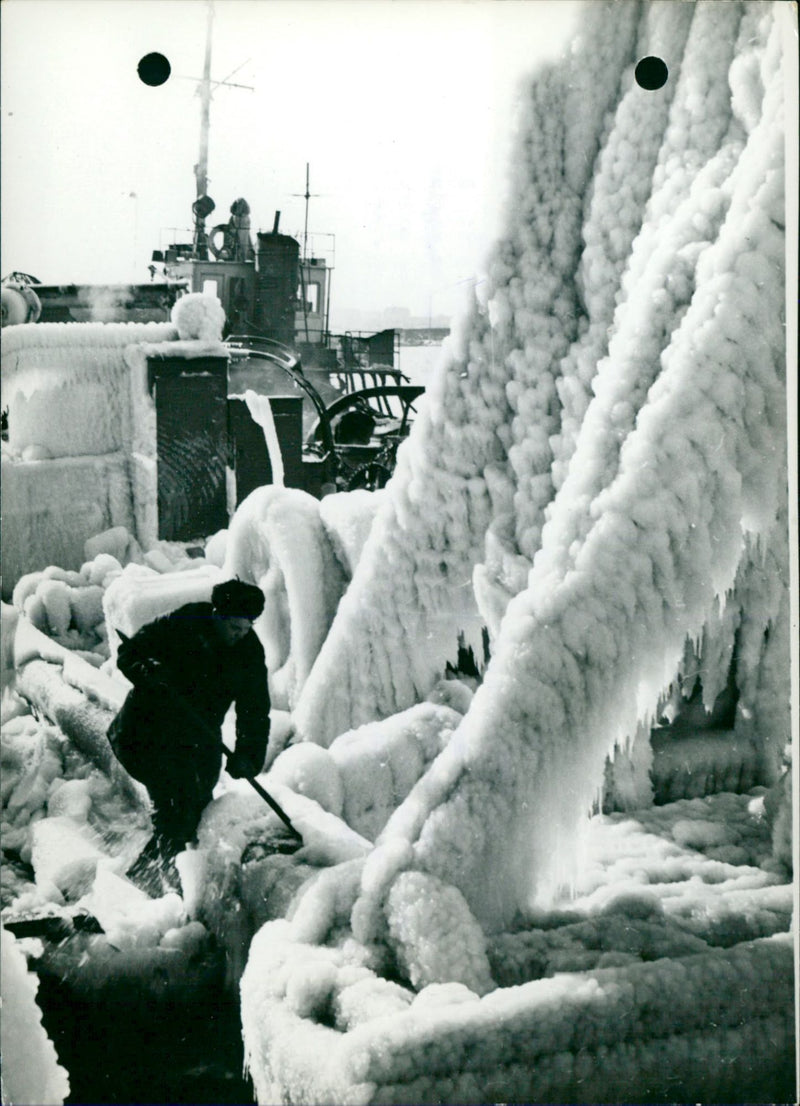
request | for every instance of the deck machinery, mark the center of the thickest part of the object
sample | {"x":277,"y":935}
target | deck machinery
{"x":340,"y":405}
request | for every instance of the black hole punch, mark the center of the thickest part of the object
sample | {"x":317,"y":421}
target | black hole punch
{"x":651,"y":73}
{"x":154,"y":69}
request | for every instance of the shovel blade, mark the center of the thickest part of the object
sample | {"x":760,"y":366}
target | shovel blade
{"x":51,"y":925}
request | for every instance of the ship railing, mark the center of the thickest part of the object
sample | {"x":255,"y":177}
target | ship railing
{"x":374,"y":378}
{"x":362,"y":349}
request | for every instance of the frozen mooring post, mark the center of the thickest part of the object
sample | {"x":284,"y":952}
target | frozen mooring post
{"x":599,"y":476}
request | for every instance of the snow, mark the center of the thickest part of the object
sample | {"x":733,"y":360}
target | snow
{"x":520,"y":1040}
{"x":9,"y":618}
{"x":657,"y":944}
{"x":61,"y":812}
{"x":198,"y":317}
{"x":779,"y":810}
{"x":65,"y":852}
{"x":70,"y":824}
{"x":239,"y":815}
{"x":611,"y":417}
{"x":646,"y":893}
{"x":235,"y":881}
{"x":379,"y":763}
{"x":411,"y":596}
{"x":558,"y":399}
{"x":82,"y":610}
{"x":452,"y":693}
{"x":310,"y":770}
{"x":115,"y":542}
{"x":80,"y":458}
{"x":129,"y":917}
{"x":647,"y":532}
{"x":215,"y":548}
{"x":434,"y":936}
{"x":31,"y":1071}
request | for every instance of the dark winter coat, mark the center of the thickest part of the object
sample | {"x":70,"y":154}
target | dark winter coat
{"x":156,"y":738}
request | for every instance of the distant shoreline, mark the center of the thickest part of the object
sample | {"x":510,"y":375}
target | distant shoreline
{"x":422,"y":335}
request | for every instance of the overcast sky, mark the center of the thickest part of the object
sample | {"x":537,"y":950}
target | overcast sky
{"x":403,"y":108}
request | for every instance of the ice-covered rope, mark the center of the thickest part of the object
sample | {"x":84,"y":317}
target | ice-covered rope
{"x":679,"y":460}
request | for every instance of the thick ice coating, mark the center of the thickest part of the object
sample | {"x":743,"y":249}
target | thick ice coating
{"x":669,"y":968}
{"x":599,"y":476}
{"x":277,"y":541}
{"x":604,"y":452}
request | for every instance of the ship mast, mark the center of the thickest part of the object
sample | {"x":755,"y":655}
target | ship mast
{"x":307,"y":195}
{"x":305,"y":229}
{"x":203,"y":205}
{"x":201,"y":169}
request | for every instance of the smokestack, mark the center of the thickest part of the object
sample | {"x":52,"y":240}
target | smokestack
{"x":275,"y":224}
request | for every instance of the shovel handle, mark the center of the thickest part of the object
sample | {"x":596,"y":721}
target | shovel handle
{"x":265,"y":795}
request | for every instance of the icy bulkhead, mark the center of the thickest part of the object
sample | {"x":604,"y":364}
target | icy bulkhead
{"x":67,"y":463}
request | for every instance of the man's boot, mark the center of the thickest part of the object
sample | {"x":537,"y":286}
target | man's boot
{"x":154,"y":870}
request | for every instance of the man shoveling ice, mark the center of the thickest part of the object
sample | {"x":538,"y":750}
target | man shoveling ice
{"x":187,"y":668}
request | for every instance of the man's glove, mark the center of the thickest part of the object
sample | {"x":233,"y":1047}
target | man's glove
{"x":239,"y":766}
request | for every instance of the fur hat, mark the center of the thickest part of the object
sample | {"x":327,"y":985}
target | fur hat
{"x":236,"y":599}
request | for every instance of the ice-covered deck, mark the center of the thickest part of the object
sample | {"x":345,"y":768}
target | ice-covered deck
{"x":662,"y":983}
{"x":666,"y":975}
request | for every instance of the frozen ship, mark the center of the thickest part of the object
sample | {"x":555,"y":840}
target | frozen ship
{"x":341,"y":402}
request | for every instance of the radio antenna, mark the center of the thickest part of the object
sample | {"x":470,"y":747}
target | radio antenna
{"x":203,"y":206}
{"x":307,"y":196}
